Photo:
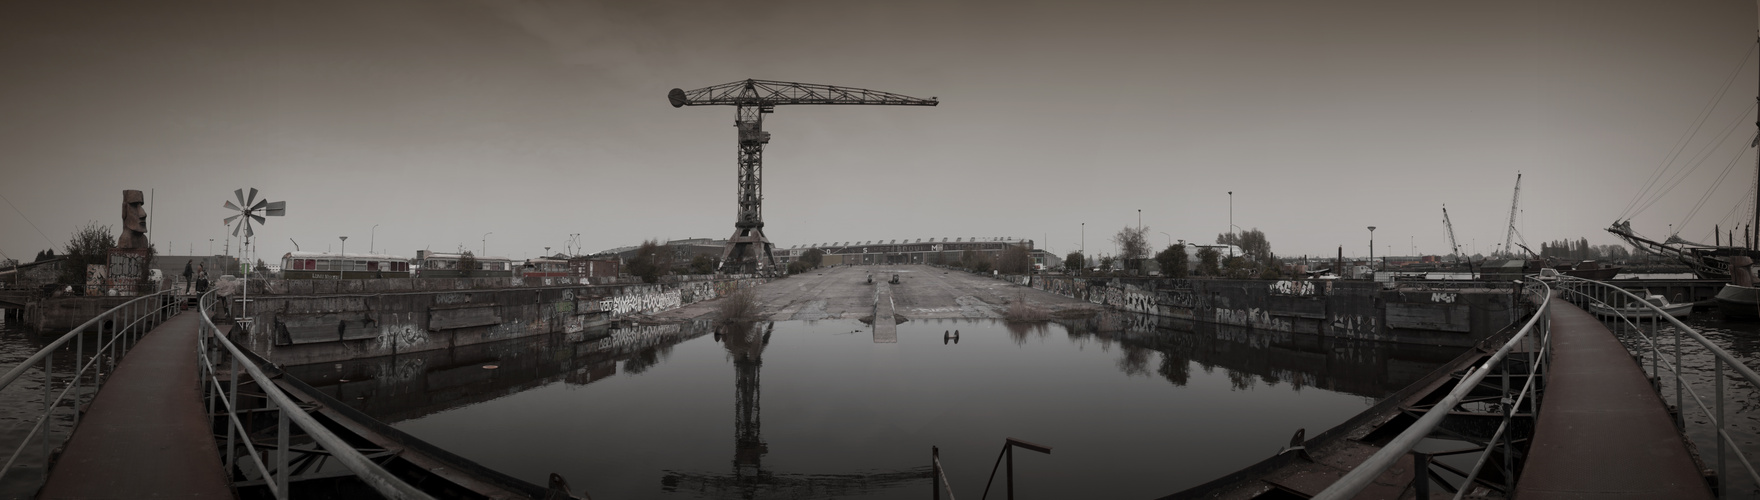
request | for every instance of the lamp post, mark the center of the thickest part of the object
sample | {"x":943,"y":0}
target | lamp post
{"x":345,"y":262}
{"x":1371,"y":247}
{"x":1231,"y":223}
{"x":486,"y":242}
{"x":1169,"y":238}
{"x":372,"y":237}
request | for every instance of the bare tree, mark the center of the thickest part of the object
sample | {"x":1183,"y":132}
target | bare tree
{"x":467,"y":264}
{"x":1133,"y":246}
{"x":1015,"y":260}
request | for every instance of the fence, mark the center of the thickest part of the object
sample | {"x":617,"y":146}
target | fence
{"x":115,"y":332}
{"x":217,"y":354}
{"x":1602,"y":298}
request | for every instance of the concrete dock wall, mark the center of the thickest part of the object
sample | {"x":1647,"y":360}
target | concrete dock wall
{"x":1450,"y":314}
{"x":346,"y":324}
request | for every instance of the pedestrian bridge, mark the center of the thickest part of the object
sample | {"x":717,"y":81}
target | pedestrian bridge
{"x":124,"y":417}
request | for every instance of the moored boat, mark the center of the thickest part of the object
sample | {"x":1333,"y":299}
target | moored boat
{"x":1739,"y":299}
{"x":1640,"y":310}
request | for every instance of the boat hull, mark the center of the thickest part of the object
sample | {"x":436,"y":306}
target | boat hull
{"x":1675,"y":310}
{"x":1739,"y":302}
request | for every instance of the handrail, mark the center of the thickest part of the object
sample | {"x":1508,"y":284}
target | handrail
{"x":1720,"y":356}
{"x":363,"y":468}
{"x":137,"y":317}
{"x":1365,"y":473}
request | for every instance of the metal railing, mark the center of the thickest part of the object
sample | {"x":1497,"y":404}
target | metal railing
{"x":116,"y":331}
{"x":1604,"y":295}
{"x":223,"y":391}
{"x":1538,"y":328}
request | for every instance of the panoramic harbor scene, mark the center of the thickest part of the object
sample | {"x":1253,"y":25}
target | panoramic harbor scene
{"x":480,"y":249}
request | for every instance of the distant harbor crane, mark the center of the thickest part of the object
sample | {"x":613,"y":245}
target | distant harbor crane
{"x":1514,"y":203}
{"x":749,"y":250}
{"x":1453,"y":247}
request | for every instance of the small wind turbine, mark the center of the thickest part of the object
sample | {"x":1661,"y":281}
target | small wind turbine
{"x":247,"y":211}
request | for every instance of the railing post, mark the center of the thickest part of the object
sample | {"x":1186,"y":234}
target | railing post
{"x":1421,"y":473}
{"x":79,"y":375}
{"x":281,"y":471}
{"x":1722,"y":472}
{"x":1008,"y":449}
{"x":43,"y":437}
{"x":1680,"y":412}
{"x":1508,"y":415}
{"x":231,"y":413}
{"x":935,"y":473}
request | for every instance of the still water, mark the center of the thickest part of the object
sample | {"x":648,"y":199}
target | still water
{"x":820,"y":410}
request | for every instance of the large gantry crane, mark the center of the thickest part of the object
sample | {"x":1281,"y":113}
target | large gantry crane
{"x":749,"y":250}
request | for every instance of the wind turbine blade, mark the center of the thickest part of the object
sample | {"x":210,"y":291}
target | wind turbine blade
{"x":253,"y":197}
{"x":247,"y":230}
{"x":240,"y":194}
{"x":232,"y":218}
{"x":230,"y":206}
{"x":259,"y":218}
{"x":276,"y":209}
{"x":259,"y":205}
{"x":236,"y":228}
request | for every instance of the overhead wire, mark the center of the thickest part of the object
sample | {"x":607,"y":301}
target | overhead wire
{"x":1687,"y":138}
{"x":27,"y":220}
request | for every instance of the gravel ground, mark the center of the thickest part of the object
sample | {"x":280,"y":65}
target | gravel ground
{"x":923,"y":292}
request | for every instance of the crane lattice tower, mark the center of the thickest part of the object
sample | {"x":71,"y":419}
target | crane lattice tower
{"x":749,"y":250}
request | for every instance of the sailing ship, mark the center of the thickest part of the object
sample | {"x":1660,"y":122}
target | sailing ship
{"x":1738,"y":298}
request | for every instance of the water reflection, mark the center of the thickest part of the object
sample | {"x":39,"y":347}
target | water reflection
{"x":1248,"y":356}
{"x":853,"y":419}
{"x":413,"y":385}
{"x":745,"y":343}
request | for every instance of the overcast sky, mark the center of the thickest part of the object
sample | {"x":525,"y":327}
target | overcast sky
{"x":440,"y":121}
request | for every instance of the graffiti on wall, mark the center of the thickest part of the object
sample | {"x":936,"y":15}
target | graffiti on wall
{"x":1295,"y":288}
{"x":643,"y":299}
{"x":400,"y":332}
{"x":1251,"y":317}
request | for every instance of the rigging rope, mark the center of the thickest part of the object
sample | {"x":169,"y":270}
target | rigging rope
{"x":1699,"y":159}
{"x":1680,"y":145}
{"x":1713,"y":188}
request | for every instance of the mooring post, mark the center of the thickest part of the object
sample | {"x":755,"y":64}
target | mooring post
{"x":935,"y":473}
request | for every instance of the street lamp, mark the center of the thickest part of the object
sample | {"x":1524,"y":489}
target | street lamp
{"x":486,"y":242}
{"x":1371,"y":247}
{"x":372,"y":237}
{"x":345,"y":262}
{"x":1169,"y":238}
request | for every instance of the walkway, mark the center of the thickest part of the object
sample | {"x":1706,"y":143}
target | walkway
{"x":146,"y":434}
{"x":1603,"y":431}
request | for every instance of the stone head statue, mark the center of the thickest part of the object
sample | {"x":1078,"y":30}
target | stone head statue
{"x":134,"y":221}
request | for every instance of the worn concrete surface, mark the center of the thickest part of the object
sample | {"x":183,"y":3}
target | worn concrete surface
{"x":146,"y":433}
{"x":923,"y":292}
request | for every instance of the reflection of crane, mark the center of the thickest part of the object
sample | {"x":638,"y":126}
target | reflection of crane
{"x":745,"y":342}
{"x":1514,"y":202}
{"x":1454,"y":248}
{"x":748,"y":250}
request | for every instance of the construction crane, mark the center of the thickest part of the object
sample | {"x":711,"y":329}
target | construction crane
{"x":1514,"y":202}
{"x":1454,"y":248}
{"x":749,"y":250}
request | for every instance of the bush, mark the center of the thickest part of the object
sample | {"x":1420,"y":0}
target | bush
{"x":740,"y":306}
{"x":1015,"y":260}
{"x":90,"y":245}
{"x":650,"y":262}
